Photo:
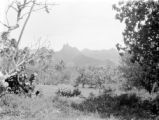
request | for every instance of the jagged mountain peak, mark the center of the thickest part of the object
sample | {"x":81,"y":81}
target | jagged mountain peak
{"x":67,"y":47}
{"x":95,"y":57}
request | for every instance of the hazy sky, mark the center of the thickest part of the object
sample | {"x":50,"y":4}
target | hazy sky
{"x":81,"y":23}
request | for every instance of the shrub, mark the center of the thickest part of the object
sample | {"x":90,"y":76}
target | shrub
{"x":68,"y":92}
{"x":155,"y":105}
{"x":20,"y":84}
{"x":126,"y":106}
{"x":128,"y":100}
{"x":76,"y":92}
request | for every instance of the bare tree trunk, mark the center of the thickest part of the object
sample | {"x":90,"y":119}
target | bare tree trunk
{"x":25,"y":23}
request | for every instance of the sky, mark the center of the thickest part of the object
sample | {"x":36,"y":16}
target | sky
{"x":83,"y":24}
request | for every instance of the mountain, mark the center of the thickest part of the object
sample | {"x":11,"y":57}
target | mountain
{"x":67,"y":53}
{"x":111,"y":54}
{"x":73,"y":57}
{"x":82,"y":60}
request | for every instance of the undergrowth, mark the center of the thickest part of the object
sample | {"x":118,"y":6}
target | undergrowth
{"x":125,"y":106}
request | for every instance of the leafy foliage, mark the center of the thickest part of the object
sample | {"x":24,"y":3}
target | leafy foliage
{"x":132,"y":72}
{"x":141,"y":36}
{"x":13,"y":67}
{"x":68,"y":92}
{"x":13,"y":60}
{"x":96,"y":77}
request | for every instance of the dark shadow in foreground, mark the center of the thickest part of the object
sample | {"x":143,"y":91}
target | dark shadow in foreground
{"x":125,"y":106}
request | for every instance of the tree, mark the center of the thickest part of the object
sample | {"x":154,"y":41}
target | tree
{"x":82,"y":78}
{"x":14,"y":59}
{"x":132,"y":72}
{"x":43,"y":64}
{"x":60,"y":66}
{"x":92,"y":76}
{"x":99,"y":77}
{"x":141,"y":36}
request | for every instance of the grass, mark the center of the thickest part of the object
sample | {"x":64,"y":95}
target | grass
{"x":126,"y":106}
{"x":92,"y":105}
{"x":46,"y":107}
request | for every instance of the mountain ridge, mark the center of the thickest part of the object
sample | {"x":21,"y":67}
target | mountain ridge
{"x":72,"y":56}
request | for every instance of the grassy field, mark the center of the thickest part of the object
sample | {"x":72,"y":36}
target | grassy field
{"x":90,"y":105}
{"x":47,"y":106}
{"x":50,"y":90}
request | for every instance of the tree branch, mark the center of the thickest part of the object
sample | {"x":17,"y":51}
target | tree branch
{"x":4,"y":24}
{"x":32,"y":11}
{"x":21,"y":33}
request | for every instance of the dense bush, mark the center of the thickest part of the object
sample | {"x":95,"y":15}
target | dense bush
{"x":127,"y":106}
{"x":21,"y":84}
{"x":68,"y":92}
{"x":132,"y":72}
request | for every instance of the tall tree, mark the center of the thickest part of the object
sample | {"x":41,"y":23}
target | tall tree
{"x":13,"y":57}
{"x":141,"y":36}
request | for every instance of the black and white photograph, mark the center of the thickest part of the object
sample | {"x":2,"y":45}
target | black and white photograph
{"x":79,"y":59}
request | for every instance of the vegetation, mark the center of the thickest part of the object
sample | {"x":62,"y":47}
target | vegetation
{"x":141,"y":37}
{"x":93,"y":92}
{"x":132,"y":72}
{"x":13,"y":59}
{"x":96,"y":77}
{"x":68,"y":92}
{"x":125,"y":106}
